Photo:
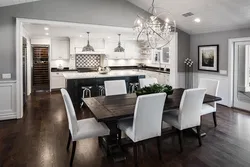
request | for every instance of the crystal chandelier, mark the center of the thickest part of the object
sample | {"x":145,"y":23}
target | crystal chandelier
{"x":119,"y":48}
{"x":88,"y":47}
{"x":153,"y":30}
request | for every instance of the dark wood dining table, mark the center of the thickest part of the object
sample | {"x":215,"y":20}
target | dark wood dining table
{"x":110,"y":109}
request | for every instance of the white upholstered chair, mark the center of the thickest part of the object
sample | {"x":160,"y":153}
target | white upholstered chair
{"x":81,"y":129}
{"x":188,"y":114}
{"x":116,"y":87}
{"x":211,"y":87}
{"x":148,"y":109}
{"x":147,"y":81}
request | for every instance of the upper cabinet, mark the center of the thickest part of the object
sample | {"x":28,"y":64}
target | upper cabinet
{"x":76,"y":44}
{"x":60,"y":49}
{"x":132,"y":50}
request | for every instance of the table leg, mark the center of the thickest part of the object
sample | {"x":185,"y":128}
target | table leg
{"x":110,"y":143}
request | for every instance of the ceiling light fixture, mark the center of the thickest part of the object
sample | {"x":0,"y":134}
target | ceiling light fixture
{"x":47,"y":34}
{"x":119,"y":48}
{"x":81,"y":36}
{"x":88,"y":47}
{"x":46,"y":28}
{"x":153,"y":30}
{"x":197,"y":20}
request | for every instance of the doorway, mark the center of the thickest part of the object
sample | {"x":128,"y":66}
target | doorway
{"x":241,"y":88}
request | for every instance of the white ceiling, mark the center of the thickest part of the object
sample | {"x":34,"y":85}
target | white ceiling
{"x":215,"y":15}
{"x":14,"y":2}
{"x":67,"y":30}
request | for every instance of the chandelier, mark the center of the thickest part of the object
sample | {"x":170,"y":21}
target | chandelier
{"x":88,"y":47}
{"x":153,"y":30}
{"x":119,"y":48}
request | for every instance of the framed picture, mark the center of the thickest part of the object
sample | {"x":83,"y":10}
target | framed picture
{"x":208,"y":58}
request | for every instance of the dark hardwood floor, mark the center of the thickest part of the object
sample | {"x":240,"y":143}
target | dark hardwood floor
{"x":40,"y":139}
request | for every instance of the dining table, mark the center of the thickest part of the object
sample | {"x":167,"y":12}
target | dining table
{"x":110,"y":109}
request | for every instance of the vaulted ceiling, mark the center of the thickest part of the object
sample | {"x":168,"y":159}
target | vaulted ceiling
{"x":14,"y":2}
{"x":215,"y":15}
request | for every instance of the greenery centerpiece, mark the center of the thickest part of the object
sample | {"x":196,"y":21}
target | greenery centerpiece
{"x":155,"y":88}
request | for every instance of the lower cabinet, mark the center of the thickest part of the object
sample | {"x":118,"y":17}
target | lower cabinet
{"x":57,"y":80}
{"x":8,"y":100}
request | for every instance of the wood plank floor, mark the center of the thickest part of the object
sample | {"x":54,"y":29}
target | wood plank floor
{"x":39,"y":140}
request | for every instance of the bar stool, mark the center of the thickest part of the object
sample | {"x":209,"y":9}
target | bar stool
{"x":133,"y":87}
{"x":101,"y":90}
{"x":86,"y":90}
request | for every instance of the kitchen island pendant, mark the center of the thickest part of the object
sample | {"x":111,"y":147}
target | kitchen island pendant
{"x":88,"y":47}
{"x":119,"y":48}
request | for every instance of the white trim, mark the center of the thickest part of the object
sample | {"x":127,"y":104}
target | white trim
{"x":231,"y":66}
{"x":19,"y":69}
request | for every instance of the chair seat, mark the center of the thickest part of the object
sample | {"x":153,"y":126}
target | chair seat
{"x":206,"y":109}
{"x":126,"y":125}
{"x":89,"y":128}
{"x":171,"y":118}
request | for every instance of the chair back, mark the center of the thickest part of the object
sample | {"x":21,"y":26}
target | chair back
{"x":148,"y":116}
{"x":72,"y":121}
{"x":190,"y":108}
{"x":211,"y":87}
{"x":147,"y":81}
{"x":116,"y":87}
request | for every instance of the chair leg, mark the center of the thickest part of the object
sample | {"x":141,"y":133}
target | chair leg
{"x":198,"y":128}
{"x":215,"y":121}
{"x":119,"y":136}
{"x":69,"y":140}
{"x":135,"y":150}
{"x":73,"y":153}
{"x":159,"y":147}
{"x":180,"y":134}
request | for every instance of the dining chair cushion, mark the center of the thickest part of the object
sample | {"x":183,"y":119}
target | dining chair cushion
{"x":89,"y":128}
{"x":207,"y":108}
{"x":115,"y":87}
{"x":171,"y":118}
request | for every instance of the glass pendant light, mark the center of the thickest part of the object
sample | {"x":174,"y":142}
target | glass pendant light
{"x":88,"y":47}
{"x":119,"y":48}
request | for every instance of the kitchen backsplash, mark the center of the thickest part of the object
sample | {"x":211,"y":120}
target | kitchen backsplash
{"x":87,"y":61}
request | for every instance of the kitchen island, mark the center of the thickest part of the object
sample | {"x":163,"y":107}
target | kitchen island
{"x":76,"y":80}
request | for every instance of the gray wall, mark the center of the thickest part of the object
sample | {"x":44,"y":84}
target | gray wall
{"x":220,"y":38}
{"x":102,"y":12}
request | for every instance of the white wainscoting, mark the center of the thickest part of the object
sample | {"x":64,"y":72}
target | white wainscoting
{"x":223,"y":91}
{"x":7,"y":101}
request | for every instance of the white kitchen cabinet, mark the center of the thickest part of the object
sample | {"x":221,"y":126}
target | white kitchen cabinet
{"x":60,"y":49}
{"x":57,"y":80}
{"x":132,"y":50}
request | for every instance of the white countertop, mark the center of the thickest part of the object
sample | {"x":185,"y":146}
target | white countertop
{"x":115,"y":73}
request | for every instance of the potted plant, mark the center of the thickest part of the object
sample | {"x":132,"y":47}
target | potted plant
{"x":155,"y":88}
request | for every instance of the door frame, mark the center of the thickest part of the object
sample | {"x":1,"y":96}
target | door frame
{"x":231,"y":43}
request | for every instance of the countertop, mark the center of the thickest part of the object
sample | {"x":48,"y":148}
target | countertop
{"x":115,"y":73}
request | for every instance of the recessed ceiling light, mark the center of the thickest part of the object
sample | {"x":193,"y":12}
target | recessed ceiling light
{"x":46,"y":33}
{"x":197,"y":20}
{"x":46,"y":28}
{"x":108,"y":37}
{"x":80,"y":36}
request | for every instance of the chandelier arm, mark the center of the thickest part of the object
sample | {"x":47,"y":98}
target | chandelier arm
{"x":156,"y":33}
{"x":140,"y":34}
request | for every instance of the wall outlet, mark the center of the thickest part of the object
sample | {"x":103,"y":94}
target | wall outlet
{"x":223,"y":72}
{"x":6,"y":76}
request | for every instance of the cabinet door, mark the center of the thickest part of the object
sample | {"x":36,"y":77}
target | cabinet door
{"x":132,"y":50}
{"x":57,"y":82}
{"x":60,"y":49}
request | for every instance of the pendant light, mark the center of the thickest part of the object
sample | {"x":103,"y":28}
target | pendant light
{"x":88,"y":47}
{"x":119,"y":48}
